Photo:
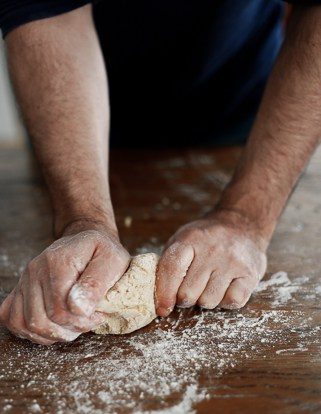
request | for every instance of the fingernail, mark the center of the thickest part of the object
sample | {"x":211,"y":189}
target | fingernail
{"x":66,"y":336}
{"x":164,"y":311}
{"x":232,"y":306}
{"x":184,"y":304}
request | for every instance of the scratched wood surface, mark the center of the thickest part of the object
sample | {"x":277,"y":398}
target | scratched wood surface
{"x":265,"y":358}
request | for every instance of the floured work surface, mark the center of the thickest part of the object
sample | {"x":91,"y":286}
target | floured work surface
{"x":265,"y":358}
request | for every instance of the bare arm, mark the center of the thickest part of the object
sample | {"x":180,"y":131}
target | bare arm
{"x":222,"y":257}
{"x":287,"y":129}
{"x":60,"y":82}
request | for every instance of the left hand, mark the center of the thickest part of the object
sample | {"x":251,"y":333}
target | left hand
{"x":215,"y":261}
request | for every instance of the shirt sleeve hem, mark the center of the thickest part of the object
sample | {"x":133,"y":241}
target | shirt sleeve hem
{"x":11,"y":22}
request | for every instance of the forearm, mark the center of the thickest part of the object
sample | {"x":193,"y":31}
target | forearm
{"x":286,"y":131}
{"x":59,"y":78}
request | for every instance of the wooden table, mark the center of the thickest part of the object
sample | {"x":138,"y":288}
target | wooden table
{"x":263,"y":359}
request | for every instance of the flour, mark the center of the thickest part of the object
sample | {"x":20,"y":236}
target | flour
{"x":35,"y":408}
{"x":155,"y":366}
{"x":150,"y":248}
{"x":162,"y":366}
{"x":191,"y":396}
{"x":128,"y":220}
{"x":4,"y":260}
{"x":219,"y":179}
{"x":280,"y":286}
{"x":278,"y":278}
{"x":291,"y":350}
{"x":194,"y":193}
{"x":9,"y":267}
{"x":318,"y":290}
{"x":282,"y":290}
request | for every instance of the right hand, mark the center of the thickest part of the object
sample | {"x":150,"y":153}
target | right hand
{"x":57,"y":294}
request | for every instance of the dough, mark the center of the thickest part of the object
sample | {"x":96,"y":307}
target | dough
{"x":130,"y":304}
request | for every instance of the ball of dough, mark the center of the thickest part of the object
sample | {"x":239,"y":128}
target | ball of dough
{"x":130,"y":304}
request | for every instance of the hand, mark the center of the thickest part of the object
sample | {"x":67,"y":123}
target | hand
{"x":57,"y":294}
{"x":215,"y":261}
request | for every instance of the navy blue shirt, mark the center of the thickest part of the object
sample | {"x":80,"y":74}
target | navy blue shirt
{"x":180,"y":71}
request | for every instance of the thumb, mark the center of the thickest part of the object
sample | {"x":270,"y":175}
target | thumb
{"x":98,"y":277}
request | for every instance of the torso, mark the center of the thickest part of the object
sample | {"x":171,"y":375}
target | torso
{"x":186,"y":70}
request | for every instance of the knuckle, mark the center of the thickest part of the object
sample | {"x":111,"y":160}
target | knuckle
{"x":89,"y":283}
{"x":57,"y":319}
{"x":171,"y":250}
{"x":192,"y":233}
{"x":119,"y":260}
{"x":50,"y":258}
{"x":92,"y":234}
{"x":187,"y":235}
{"x":32,"y":266}
{"x":176,"y":248}
{"x":124,"y":258}
{"x":172,"y":259}
{"x":56,"y":315}
{"x":48,"y":255}
{"x":124,"y":255}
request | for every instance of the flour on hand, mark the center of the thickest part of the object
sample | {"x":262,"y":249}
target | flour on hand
{"x":130,"y":304}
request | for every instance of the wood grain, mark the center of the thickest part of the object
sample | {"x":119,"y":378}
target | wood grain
{"x":263,"y":359}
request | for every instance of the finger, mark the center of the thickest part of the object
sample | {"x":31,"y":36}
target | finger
{"x":61,"y":277}
{"x":172,"y":268}
{"x":193,"y":284}
{"x":17,"y":326}
{"x":66,"y":260}
{"x":238,"y":293}
{"x":63,"y":317}
{"x":102,"y":272}
{"x":5,"y":308}
{"x":36,"y":319}
{"x":214,"y":291}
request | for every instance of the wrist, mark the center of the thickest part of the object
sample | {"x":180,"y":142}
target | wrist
{"x":247,"y":225}
{"x":77,"y":224}
{"x":256,"y":201}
